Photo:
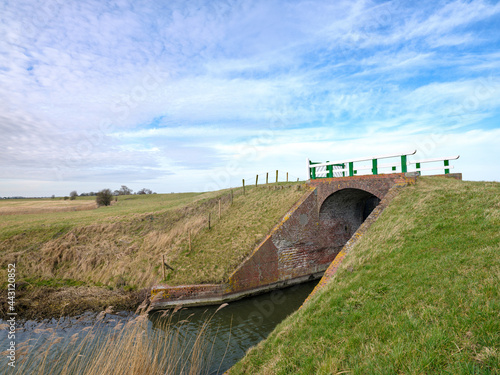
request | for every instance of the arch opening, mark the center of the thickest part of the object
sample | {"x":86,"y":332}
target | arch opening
{"x":342,"y":213}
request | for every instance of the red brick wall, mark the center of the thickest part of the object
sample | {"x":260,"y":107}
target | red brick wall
{"x":300,"y":245}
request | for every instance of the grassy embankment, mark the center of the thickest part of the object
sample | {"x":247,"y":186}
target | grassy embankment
{"x":67,"y":262}
{"x":419,"y":294}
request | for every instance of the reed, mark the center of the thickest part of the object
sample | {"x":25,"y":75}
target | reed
{"x":134,"y":348}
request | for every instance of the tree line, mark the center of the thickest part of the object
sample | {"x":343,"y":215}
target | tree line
{"x":105,"y":196}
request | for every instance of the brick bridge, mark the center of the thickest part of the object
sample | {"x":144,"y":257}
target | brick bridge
{"x":301,"y":246}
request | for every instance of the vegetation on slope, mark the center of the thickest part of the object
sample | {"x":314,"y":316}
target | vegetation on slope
{"x":90,"y":259}
{"x":418,"y":294}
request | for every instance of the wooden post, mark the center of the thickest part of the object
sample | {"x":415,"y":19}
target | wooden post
{"x":219,"y":210}
{"x":297,"y":179}
{"x":243,"y":186}
{"x":256,"y":180}
{"x":267,"y":177}
{"x":276,"y":176}
{"x":209,"y":220}
{"x":286,"y":176}
{"x":163,"y":266}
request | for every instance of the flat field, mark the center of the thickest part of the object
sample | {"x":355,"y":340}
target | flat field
{"x":64,"y":258}
{"x":43,"y":206}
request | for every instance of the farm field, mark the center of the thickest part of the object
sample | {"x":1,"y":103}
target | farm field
{"x":43,"y":206}
{"x":71,"y":261}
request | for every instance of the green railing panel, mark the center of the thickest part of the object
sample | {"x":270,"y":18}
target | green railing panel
{"x":347,"y":168}
{"x":404,"y":167}
{"x":329,"y":168}
{"x":374,"y":166}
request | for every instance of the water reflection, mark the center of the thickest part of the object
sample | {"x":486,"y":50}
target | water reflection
{"x":231,"y":331}
{"x":236,"y":327}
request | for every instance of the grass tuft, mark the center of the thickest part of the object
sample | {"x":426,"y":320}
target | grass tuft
{"x":133,"y":348}
{"x":418,"y":294}
{"x":119,"y":248}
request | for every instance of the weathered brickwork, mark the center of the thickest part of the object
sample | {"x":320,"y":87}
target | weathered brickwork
{"x":302,"y":245}
{"x":335,"y":264}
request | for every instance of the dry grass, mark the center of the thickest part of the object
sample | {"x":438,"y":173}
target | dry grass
{"x":217,"y":252}
{"x":40,"y":302}
{"x":123,"y":252}
{"x":131,"y":348}
{"x":43,"y":206}
{"x":60,"y":222}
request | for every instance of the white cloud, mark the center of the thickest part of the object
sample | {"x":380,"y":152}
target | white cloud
{"x":92,"y":89}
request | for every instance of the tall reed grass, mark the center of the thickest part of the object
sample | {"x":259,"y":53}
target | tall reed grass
{"x":133,"y":347}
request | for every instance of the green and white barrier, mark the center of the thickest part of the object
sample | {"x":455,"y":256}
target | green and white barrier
{"x":399,"y":164}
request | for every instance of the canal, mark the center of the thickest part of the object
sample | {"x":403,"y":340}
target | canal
{"x":227,"y":333}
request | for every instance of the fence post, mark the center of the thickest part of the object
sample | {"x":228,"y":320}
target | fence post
{"x":267,"y":177}
{"x":276,"y":176}
{"x":374,"y":166}
{"x":243,"y":186}
{"x":404,"y":167}
{"x":189,"y":236}
{"x":351,"y":169}
{"x":163,"y":266}
{"x":446,"y":164}
{"x":286,"y":176}
{"x":256,"y":180}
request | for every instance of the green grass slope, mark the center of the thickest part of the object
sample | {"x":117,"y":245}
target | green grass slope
{"x":419,"y":294}
{"x":89,"y":259}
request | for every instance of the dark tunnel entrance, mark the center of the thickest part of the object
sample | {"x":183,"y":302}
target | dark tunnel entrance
{"x":343,"y":212}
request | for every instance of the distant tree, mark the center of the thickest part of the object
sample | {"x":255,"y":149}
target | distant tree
{"x":66,"y":198}
{"x":53,"y":196}
{"x":125,"y":191}
{"x":104,"y":197}
{"x":73,"y":195}
{"x":144,"y":191}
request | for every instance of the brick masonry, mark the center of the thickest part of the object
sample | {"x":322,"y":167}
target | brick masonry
{"x":386,"y":200}
{"x":301,"y":246}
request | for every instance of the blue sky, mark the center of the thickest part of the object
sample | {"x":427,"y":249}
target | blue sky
{"x":193,"y":96}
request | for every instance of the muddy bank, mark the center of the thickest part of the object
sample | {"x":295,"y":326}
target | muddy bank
{"x":37,"y":303}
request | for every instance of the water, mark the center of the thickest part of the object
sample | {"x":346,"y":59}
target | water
{"x":232,"y":330}
{"x":241,"y":324}
{"x":56,"y":335}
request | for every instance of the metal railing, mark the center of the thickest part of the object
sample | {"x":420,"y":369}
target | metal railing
{"x":351,"y":167}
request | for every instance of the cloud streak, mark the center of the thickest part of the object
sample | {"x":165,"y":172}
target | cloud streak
{"x":123,"y":92}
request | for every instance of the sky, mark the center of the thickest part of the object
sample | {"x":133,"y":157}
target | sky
{"x":193,"y":96}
